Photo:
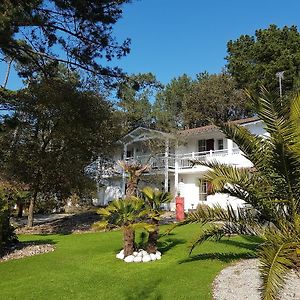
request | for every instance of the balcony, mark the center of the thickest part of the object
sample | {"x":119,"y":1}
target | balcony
{"x":222,"y":156}
{"x":183,"y":161}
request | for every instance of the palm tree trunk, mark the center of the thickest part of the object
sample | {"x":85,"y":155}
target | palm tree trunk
{"x":30,"y":210}
{"x":153,"y":237}
{"x":128,"y":241}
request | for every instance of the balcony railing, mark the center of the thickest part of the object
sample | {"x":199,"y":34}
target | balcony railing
{"x":158,"y":161}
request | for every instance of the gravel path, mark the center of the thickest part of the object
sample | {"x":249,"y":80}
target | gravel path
{"x":241,"y":282}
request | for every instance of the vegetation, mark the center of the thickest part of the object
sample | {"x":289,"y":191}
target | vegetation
{"x":272,"y":189}
{"x":8,"y":192}
{"x":154,"y":200}
{"x":52,"y":139}
{"x":84,"y":263}
{"x":180,"y":105}
{"x":254,"y":60}
{"x":76,"y":33}
{"x":127,"y":214}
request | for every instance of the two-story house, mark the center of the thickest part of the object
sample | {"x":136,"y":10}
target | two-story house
{"x":170,"y":158}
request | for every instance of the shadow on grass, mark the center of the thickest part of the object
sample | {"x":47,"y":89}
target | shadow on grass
{"x":230,"y":256}
{"x":145,"y":291}
{"x":244,"y":245}
{"x":169,"y":243}
{"x":224,"y":257}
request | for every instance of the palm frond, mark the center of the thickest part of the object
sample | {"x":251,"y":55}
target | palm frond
{"x":277,"y":256}
{"x":213,"y":232}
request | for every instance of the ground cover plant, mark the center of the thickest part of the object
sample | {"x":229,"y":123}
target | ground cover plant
{"x":83,"y":266}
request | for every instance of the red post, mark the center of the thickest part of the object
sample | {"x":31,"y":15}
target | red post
{"x":179,"y":208}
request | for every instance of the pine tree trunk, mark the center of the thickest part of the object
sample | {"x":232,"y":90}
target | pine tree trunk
{"x":128,"y":241}
{"x":153,"y":237}
{"x":30,"y":210}
{"x":20,"y":209}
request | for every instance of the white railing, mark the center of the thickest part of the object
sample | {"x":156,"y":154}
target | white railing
{"x":158,"y":161}
{"x":185,"y":160}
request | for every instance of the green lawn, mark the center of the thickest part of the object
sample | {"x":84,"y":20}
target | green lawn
{"x":84,"y":266}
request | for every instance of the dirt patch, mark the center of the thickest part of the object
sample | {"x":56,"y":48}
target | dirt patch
{"x":67,"y":224}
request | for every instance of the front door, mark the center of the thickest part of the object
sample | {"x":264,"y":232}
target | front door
{"x":210,"y":144}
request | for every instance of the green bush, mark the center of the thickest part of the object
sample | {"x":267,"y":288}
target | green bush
{"x":6,"y":230}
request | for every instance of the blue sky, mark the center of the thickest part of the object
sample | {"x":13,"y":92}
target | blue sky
{"x":172,"y":37}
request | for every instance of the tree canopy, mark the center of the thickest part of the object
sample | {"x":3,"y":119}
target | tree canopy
{"x":60,"y":127}
{"x":77,"y":33}
{"x":188,"y":103}
{"x":254,"y":60}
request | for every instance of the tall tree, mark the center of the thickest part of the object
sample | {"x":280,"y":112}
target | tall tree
{"x":61,"y":128}
{"x":77,"y":33}
{"x":170,"y":104}
{"x":214,"y":98}
{"x":134,"y":100}
{"x":254,"y":60}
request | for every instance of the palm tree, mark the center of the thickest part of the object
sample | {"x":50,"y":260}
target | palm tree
{"x":125,"y":214}
{"x":272,"y":187}
{"x":154,"y":200}
{"x":134,"y":170}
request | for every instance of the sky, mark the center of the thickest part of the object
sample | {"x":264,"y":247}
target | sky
{"x":173,"y":37}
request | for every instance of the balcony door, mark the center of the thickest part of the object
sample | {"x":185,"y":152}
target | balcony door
{"x":206,"y":145}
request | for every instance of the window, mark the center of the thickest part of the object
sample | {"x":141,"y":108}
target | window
{"x":203,"y":190}
{"x":220,"y":144}
{"x":201,"y":145}
{"x":129,"y":153}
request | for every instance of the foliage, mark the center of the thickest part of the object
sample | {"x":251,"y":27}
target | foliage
{"x":127,"y":214}
{"x":254,"y":60}
{"x":78,"y":33}
{"x":170,"y":104}
{"x":134,"y":104}
{"x":271,"y":187}
{"x":54,"y":140}
{"x":8,"y":195}
{"x":185,"y":103}
{"x":154,"y":199}
{"x":215,"y":98}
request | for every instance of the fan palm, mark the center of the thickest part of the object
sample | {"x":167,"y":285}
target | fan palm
{"x":154,"y":199}
{"x":272,"y":187}
{"x":125,"y":214}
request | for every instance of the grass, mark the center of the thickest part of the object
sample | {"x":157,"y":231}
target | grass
{"x":84,"y":266}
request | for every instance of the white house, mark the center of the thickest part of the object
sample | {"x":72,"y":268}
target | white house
{"x":170,"y":158}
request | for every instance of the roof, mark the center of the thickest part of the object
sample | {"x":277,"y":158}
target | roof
{"x":141,"y":133}
{"x":209,"y":128}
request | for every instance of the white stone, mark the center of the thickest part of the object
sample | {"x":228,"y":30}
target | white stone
{"x":158,"y":257}
{"x":122,"y":251}
{"x":152,"y":256}
{"x":140,"y":254}
{"x":157,"y":252}
{"x":129,"y":258}
{"x":135,"y":253}
{"x":146,"y":258}
{"x":137,"y":259}
{"x":144,"y":252}
{"x":120,"y":256}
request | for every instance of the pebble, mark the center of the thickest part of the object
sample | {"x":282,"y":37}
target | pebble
{"x":241,"y":281}
{"x":22,"y":250}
